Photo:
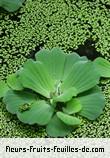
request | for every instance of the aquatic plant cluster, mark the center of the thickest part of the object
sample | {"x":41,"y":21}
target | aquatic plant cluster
{"x":54,"y":88}
{"x":55,"y":23}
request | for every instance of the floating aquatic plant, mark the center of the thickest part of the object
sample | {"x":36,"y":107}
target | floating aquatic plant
{"x":55,"y":89}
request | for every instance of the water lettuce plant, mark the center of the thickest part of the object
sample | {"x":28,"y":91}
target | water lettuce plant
{"x":11,"y":5}
{"x":55,"y":89}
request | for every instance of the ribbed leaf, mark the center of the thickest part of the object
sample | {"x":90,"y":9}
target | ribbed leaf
{"x":3,"y":88}
{"x":14,"y":99}
{"x":67,"y":95}
{"x":73,"y":106}
{"x":70,"y":60}
{"x":56,"y":128}
{"x":102,"y":66}
{"x":54,"y":62}
{"x":92,"y":103}
{"x":58,"y":63}
{"x":35,"y":76}
{"x":82,"y":77}
{"x":13,"y":82}
{"x":40,"y":113}
{"x":59,"y":66}
{"x":68,"y":119}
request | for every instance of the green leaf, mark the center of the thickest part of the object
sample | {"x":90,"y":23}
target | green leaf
{"x":14,"y":99}
{"x":57,"y":62}
{"x":53,"y":60}
{"x":92,"y":102}
{"x":40,"y":113}
{"x":68,"y":119}
{"x":3,"y":88}
{"x":13,"y":82}
{"x":11,"y":5}
{"x":59,"y":65}
{"x":35,"y":76}
{"x":56,"y":128}
{"x":66,"y":96}
{"x":82,"y":77}
{"x":73,"y":106}
{"x":70,"y":60}
{"x":102,"y":66}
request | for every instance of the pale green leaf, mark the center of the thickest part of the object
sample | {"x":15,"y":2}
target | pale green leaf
{"x":73,"y":106}
{"x":92,"y":102}
{"x":83,"y":76}
{"x":14,"y":99}
{"x":70,"y":60}
{"x":102,"y":66}
{"x":57,"y":62}
{"x":40,"y":112}
{"x":53,"y":60}
{"x":66,"y":95}
{"x":35,"y":76}
{"x":68,"y":119}
{"x":3,"y":88}
{"x":13,"y":82}
{"x":56,"y":128}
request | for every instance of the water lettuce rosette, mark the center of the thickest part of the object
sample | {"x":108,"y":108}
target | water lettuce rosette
{"x":55,"y":89}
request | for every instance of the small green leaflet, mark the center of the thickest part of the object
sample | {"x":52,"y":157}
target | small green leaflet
{"x":73,"y":106}
{"x":68,"y":119}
